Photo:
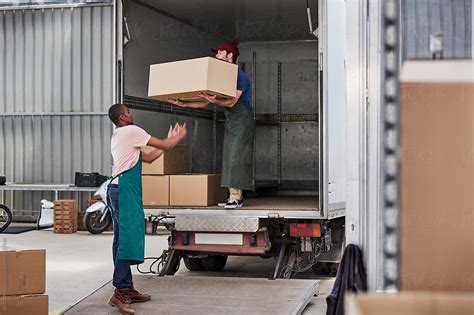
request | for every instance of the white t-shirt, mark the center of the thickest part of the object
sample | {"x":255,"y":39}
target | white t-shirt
{"x":125,"y":146}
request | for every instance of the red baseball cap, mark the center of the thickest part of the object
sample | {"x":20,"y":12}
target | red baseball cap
{"x":230,"y":47}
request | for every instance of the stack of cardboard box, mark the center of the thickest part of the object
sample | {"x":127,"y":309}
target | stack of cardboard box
{"x":167,"y":182}
{"x":437,"y":184}
{"x":22,"y":281}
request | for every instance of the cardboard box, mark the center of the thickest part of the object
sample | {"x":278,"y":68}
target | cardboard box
{"x":156,"y":190}
{"x":410,"y":303}
{"x":174,"y":161}
{"x":196,"y":190}
{"x":25,"y":271}
{"x":24,"y":304}
{"x":437,"y":182}
{"x":184,"y":79}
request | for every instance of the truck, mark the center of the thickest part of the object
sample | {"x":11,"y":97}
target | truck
{"x":325,"y":125}
{"x":296,"y":213}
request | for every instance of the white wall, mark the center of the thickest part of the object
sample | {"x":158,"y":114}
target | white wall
{"x":56,"y":83}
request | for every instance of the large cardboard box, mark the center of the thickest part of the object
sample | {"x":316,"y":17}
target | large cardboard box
{"x":184,"y":79}
{"x":156,"y":190}
{"x":23,"y":271}
{"x":25,"y":304}
{"x":174,"y":161}
{"x":410,"y":303}
{"x":437,"y":175}
{"x":196,"y":190}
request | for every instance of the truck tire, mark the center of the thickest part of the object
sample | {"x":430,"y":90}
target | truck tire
{"x":326,"y":269}
{"x":193,"y":264}
{"x":214,"y":263}
{"x":171,"y":264}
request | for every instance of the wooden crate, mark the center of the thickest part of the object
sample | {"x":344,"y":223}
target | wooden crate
{"x":65,"y":216}
{"x":80,"y":221}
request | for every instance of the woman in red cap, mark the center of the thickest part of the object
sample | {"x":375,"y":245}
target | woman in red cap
{"x":239,"y":130}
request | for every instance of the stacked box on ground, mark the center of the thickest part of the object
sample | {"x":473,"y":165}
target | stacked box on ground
{"x":65,"y":216}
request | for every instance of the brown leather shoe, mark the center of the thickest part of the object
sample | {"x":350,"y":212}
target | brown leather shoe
{"x":137,"y":297}
{"x":121,"y":300}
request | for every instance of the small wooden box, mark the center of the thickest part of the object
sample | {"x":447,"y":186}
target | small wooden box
{"x":65,"y":216}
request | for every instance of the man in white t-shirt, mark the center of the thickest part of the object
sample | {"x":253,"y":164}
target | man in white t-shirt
{"x":125,"y":198}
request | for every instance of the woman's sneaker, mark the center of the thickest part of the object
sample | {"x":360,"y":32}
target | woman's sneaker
{"x":222,"y":204}
{"x":233,"y":204}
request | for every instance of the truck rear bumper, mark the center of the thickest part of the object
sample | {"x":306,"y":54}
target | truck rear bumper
{"x":257,"y":243}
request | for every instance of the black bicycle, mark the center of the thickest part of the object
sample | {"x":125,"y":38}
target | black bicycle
{"x":5,"y":217}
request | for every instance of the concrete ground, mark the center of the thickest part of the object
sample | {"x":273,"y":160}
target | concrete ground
{"x":79,"y":263}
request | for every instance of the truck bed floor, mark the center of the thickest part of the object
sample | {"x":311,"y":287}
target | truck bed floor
{"x":282,"y":206}
{"x":269,"y":203}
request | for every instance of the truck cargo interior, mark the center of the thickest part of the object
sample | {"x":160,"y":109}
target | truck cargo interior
{"x":279,"y":52}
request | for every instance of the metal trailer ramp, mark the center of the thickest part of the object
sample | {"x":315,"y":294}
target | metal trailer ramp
{"x":207,"y":295}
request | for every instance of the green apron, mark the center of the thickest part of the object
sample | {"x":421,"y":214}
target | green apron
{"x":131,"y":216}
{"x":237,"y":163}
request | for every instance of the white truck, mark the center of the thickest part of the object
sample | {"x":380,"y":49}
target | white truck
{"x":318,"y":83}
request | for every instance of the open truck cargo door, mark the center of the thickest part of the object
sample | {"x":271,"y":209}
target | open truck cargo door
{"x":332,"y":107}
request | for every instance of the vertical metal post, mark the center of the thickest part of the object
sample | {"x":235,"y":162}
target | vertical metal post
{"x":279,"y":123}
{"x":214,"y":140}
{"x":194,"y":153}
{"x":389,"y":216}
{"x":254,"y":104}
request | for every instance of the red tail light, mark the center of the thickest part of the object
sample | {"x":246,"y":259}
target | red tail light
{"x":305,"y":229}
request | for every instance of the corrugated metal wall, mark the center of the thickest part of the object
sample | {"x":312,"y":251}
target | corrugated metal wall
{"x":421,"y":18}
{"x":56,"y":83}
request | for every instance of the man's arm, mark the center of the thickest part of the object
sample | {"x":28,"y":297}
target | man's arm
{"x":174,"y":137}
{"x":200,"y":104}
{"x":227,"y":102}
{"x":151,"y":156}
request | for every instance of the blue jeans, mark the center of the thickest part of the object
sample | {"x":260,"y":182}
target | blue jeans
{"x":122,"y":273}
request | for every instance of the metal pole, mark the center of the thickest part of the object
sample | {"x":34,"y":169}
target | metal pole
{"x":53,"y":6}
{"x":254,"y":103}
{"x":279,"y":123}
{"x":33,"y":114}
{"x":280,"y":258}
{"x":214,"y":140}
{"x":390,"y":148}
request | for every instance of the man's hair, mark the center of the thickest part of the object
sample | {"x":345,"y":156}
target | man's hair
{"x":115,"y":111}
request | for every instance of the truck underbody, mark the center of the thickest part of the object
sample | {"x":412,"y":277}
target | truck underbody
{"x":289,"y":228}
